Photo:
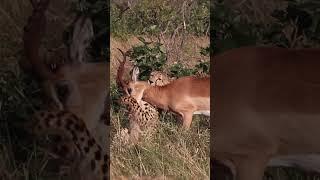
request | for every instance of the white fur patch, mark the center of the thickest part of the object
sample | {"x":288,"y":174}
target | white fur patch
{"x":206,"y":113}
{"x":308,"y":162}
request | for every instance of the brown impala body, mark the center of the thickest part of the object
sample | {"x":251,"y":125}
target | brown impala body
{"x":266,"y":106}
{"x":86,"y":83}
{"x":182,"y":96}
{"x":185,"y":96}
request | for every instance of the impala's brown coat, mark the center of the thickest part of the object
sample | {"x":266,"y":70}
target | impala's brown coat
{"x":266,"y":104}
{"x":182,"y":96}
{"x":189,"y":98}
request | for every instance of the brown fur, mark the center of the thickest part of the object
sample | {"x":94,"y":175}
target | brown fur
{"x":266,"y":103}
{"x":186,"y":86}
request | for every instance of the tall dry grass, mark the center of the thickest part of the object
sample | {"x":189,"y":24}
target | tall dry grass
{"x":172,"y":153}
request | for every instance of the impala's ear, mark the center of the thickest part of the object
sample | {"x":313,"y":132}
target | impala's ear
{"x":81,"y":39}
{"x":135,"y":74}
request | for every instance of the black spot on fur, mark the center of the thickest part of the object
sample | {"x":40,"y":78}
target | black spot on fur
{"x":87,"y":132}
{"x":91,"y":142}
{"x":86,"y":149}
{"x":104,"y":168}
{"x":64,"y":149}
{"x":106,"y":158}
{"x":69,"y":124}
{"x":74,"y":136}
{"x":77,"y":127}
{"x":97,"y":155}
{"x":60,"y":114}
{"x":74,"y":117}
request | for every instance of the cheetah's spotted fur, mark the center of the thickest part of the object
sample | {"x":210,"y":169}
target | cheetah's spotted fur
{"x":158,"y":78}
{"x":93,"y":157}
{"x":143,"y":118}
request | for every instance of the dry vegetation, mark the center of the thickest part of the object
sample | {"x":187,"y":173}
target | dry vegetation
{"x":173,"y":153}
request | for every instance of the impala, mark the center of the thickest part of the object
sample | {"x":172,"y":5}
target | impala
{"x":86,"y":82}
{"x":267,"y":109}
{"x":185,"y":96}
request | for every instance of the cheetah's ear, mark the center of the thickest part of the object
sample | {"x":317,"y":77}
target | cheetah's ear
{"x":135,"y":74}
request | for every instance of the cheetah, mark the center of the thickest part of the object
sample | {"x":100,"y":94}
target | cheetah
{"x":143,"y":119}
{"x":158,"y":78}
{"x":93,"y":159}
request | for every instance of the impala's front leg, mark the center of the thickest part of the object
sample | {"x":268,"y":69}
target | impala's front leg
{"x":250,"y":168}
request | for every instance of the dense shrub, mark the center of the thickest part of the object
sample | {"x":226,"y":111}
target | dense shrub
{"x":295,"y":26}
{"x":151,"y":56}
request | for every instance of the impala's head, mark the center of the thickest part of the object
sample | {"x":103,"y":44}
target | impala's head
{"x":134,"y":88}
{"x":50,"y":66}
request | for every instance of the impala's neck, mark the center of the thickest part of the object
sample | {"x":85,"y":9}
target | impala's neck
{"x":156,"y":96}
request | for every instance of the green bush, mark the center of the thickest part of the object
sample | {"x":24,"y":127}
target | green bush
{"x":150,"y":56}
{"x":231,"y":30}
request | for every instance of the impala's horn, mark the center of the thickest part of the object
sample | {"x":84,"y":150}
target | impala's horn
{"x":32,"y":36}
{"x":120,"y":82}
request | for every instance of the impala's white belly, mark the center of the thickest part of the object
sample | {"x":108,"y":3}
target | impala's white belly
{"x":206,"y":113}
{"x":202,"y":105}
{"x":308,"y":162}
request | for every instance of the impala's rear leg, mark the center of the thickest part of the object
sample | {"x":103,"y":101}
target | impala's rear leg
{"x":187,"y":119}
{"x":186,"y":111}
